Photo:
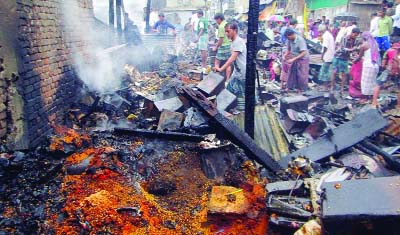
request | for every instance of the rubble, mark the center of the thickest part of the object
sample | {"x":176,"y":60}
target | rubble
{"x":237,"y":135}
{"x":170,"y":121}
{"x":212,"y":85}
{"x":165,"y":154}
{"x":338,"y":139}
{"x":359,"y":200}
{"x":312,"y":227}
{"x":226,"y":200}
{"x":172,"y":104}
{"x":225,"y":101}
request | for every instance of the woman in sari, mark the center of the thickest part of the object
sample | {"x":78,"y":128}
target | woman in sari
{"x":369,"y":54}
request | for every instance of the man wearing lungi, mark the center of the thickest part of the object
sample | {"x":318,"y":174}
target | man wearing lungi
{"x":296,"y":62}
{"x":223,"y":46}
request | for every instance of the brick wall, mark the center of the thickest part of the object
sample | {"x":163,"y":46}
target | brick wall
{"x":47,"y":78}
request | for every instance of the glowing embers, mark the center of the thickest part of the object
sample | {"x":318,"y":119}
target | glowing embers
{"x":170,"y":197}
{"x":67,"y":140}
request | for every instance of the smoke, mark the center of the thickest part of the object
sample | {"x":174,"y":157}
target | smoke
{"x":86,"y":39}
{"x":133,"y":8}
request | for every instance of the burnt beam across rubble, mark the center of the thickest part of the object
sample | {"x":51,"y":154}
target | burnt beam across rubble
{"x":237,"y":136}
{"x":344,"y":136}
{"x":160,"y":134}
{"x":389,"y":159}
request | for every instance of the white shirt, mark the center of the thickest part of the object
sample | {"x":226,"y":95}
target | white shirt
{"x":341,"y":34}
{"x":373,"y":29}
{"x":396,"y":17}
{"x":194,"y":21}
{"x":328,"y":42}
{"x":349,"y":29}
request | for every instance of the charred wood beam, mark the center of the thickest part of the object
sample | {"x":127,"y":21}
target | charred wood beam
{"x":390,"y":136}
{"x":237,"y":136}
{"x":389,"y":159}
{"x":147,"y":30}
{"x":119,"y":19}
{"x":342,"y":137}
{"x":250,"y":99}
{"x":361,"y":199}
{"x":111,"y":15}
{"x":160,"y":134}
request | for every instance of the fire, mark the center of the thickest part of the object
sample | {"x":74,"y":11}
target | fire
{"x":68,"y":136}
{"x":95,"y":199}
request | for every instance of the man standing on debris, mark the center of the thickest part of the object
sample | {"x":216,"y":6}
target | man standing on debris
{"x":340,"y":63}
{"x":238,"y":59}
{"x":162,"y":25}
{"x":328,"y":51}
{"x":223,"y":46}
{"x":384,"y":30}
{"x":202,"y":39}
{"x":296,"y":62}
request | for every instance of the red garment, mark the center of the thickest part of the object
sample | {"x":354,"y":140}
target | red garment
{"x":393,"y":62}
{"x":355,"y":83}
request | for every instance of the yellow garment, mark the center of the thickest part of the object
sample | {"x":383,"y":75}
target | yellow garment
{"x":221,"y":34}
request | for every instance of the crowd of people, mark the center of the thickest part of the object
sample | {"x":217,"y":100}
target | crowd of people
{"x":365,"y":61}
{"x":362,"y":61}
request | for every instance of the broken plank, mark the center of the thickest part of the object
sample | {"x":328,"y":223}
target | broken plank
{"x":344,"y":136}
{"x":237,"y":136}
{"x":160,"y":134}
{"x":389,"y":159}
{"x":353,"y":199}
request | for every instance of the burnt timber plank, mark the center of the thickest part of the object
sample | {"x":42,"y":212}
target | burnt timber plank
{"x":362,"y":198}
{"x":344,"y":136}
{"x":237,"y":136}
{"x":160,"y":134}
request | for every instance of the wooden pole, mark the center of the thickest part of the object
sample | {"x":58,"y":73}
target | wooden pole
{"x":119,"y":20}
{"x":250,"y":99}
{"x":111,"y":14}
{"x":147,"y":30}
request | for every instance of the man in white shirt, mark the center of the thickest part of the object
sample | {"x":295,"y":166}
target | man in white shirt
{"x":342,"y":32}
{"x":396,"y":20}
{"x":194,"y":20}
{"x":328,"y":52}
{"x":350,"y":28}
{"x":373,"y":29}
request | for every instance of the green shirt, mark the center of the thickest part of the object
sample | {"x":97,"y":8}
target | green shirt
{"x":203,"y":24}
{"x":221,"y":34}
{"x":384,"y":26}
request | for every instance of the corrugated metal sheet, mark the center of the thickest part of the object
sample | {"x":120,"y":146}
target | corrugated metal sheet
{"x":268,"y":131}
{"x":152,"y":41}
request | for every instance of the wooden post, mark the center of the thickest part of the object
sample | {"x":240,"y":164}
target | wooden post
{"x":111,"y":14}
{"x":147,"y":30}
{"x":250,"y":87}
{"x":119,"y":20}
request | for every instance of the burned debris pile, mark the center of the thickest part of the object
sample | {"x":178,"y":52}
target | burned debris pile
{"x":165,"y":153}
